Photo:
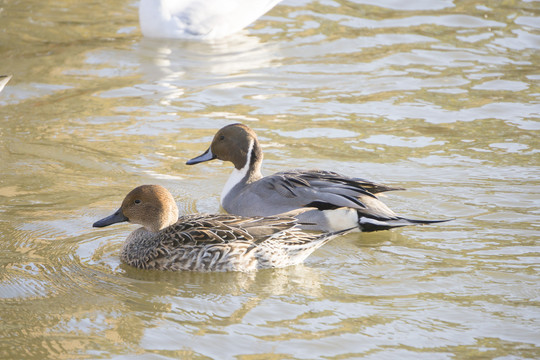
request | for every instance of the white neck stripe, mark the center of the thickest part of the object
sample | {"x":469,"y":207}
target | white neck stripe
{"x":237,"y":175}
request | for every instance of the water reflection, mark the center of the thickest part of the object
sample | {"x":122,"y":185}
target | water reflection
{"x":439,"y":97}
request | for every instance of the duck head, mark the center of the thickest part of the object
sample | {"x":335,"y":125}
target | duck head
{"x":151,"y":206}
{"x":235,"y":143}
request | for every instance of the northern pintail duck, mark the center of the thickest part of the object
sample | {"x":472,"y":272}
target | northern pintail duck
{"x":339,"y":201}
{"x":199,"y":19}
{"x":204,"y":242}
{"x":4,"y":80}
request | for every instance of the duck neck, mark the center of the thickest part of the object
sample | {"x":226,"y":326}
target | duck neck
{"x":248,"y":172}
{"x":168,"y":215}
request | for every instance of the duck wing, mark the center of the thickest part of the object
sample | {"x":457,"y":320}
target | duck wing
{"x":323,"y":178}
{"x":204,"y":229}
{"x":289,"y":190}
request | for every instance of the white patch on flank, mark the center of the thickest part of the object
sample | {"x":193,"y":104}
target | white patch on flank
{"x":237,"y":175}
{"x":391,"y":222}
{"x":341,"y":219}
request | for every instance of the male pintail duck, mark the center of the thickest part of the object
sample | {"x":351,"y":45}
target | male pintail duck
{"x":202,"y":242}
{"x":340,"y":202}
{"x":199,"y":19}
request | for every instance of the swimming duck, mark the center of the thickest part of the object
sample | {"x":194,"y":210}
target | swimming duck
{"x":204,"y":242}
{"x":340,"y":202}
{"x":199,"y":19}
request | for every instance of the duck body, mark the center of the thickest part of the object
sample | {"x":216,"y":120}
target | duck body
{"x":199,"y":19}
{"x":221,"y":243}
{"x":337,"y":201}
{"x":204,"y":242}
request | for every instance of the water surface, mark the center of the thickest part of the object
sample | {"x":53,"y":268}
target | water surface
{"x":439,"y":97}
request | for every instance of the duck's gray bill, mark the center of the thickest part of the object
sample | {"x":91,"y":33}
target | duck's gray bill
{"x":117,"y":217}
{"x":207,"y":156}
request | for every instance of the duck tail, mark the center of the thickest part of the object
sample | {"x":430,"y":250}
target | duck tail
{"x":370,"y":224}
{"x":326,"y":237}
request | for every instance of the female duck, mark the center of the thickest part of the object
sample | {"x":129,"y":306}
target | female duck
{"x":206,"y":242}
{"x":340,"y":202}
{"x":199,"y":19}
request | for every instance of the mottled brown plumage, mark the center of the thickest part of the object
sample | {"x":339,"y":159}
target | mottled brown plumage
{"x":203,"y":242}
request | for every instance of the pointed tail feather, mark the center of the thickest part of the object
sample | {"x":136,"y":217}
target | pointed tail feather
{"x":370,"y":224}
{"x":325,"y":237}
{"x":297,"y":253}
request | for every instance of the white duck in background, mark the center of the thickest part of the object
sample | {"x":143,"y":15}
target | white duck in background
{"x":199,"y":19}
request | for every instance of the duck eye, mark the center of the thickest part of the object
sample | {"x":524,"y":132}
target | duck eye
{"x":222,"y":137}
{"x":137,"y":201}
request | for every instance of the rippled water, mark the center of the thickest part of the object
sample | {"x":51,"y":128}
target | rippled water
{"x":439,"y":97}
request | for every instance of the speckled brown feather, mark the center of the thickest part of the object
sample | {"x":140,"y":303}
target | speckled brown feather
{"x":217,"y":242}
{"x":222,"y":243}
